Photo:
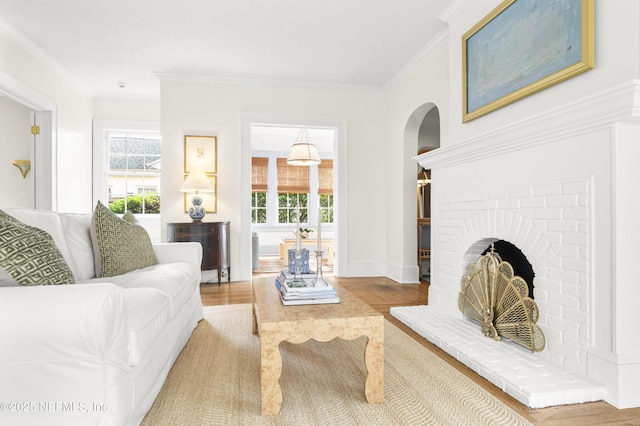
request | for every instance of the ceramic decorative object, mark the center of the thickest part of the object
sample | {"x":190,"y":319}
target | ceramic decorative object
{"x":303,"y":232}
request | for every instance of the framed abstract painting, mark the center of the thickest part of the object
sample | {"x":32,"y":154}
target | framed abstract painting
{"x":522,"y":47}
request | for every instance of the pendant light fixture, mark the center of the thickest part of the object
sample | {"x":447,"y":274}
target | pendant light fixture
{"x":303,"y":152}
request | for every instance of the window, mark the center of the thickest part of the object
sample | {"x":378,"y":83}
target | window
{"x":293,"y":191}
{"x":258,"y":207}
{"x":259,"y":189}
{"x":133,"y":176}
{"x":278,"y":189}
{"x":326,"y":208}
{"x":289,"y":204}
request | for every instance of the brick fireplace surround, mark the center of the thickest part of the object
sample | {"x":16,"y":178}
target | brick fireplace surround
{"x":560,"y":187}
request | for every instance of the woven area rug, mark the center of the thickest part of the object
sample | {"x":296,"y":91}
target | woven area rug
{"x":216,"y":381}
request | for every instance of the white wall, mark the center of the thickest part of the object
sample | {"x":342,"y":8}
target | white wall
{"x":437,"y":79}
{"x":124,"y":109}
{"x":15,"y":144}
{"x":215,"y":108}
{"x":72,"y":115}
{"x":426,"y":85}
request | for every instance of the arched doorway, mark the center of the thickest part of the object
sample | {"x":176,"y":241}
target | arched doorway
{"x":422,"y":134}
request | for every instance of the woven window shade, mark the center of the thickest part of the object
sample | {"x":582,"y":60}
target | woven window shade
{"x":259,"y":174}
{"x":325,"y":177}
{"x":292,"y":179}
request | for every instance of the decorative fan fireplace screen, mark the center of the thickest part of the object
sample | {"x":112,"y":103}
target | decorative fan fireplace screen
{"x":494,"y":297}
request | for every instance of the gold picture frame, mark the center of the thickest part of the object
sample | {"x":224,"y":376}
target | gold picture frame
{"x":511,"y":53}
{"x":200,"y":154}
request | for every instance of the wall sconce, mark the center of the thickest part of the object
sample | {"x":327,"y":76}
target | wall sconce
{"x":23,"y":166}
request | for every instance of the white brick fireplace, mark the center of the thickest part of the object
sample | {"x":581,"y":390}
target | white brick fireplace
{"x":549,"y":223}
{"x":558,"y":187}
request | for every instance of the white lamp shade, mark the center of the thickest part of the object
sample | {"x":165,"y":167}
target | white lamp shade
{"x":303,"y":154}
{"x":196,"y":182}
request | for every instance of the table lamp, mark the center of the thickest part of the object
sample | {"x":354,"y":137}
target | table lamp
{"x":196,"y":182}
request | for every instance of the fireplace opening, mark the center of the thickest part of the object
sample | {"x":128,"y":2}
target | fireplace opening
{"x":512,"y":254}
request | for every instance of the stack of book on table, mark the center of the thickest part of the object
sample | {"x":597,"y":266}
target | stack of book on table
{"x":304,"y":293}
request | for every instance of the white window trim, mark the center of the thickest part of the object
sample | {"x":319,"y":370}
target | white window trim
{"x":151,"y":223}
{"x":101,"y":151}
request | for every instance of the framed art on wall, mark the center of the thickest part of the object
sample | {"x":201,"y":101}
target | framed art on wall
{"x":200,"y":154}
{"x":522,"y":47}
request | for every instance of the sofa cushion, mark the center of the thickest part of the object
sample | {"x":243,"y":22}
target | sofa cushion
{"x":29,"y":255}
{"x":176,"y":280}
{"x":76,"y":229}
{"x":148,"y":311}
{"x":118,"y":246}
{"x":49,"y":222}
{"x":6,"y":280}
{"x":129,"y":217}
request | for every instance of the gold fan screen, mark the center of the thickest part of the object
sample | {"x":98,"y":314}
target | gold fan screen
{"x":499,"y":301}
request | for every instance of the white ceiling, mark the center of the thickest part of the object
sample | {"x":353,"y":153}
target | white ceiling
{"x":328,"y":43}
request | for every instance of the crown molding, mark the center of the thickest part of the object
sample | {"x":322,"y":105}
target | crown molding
{"x":22,"y":41}
{"x":19,"y":92}
{"x":131,"y":97}
{"x":190,"y":78}
{"x":452,"y":11}
{"x":413,"y":62}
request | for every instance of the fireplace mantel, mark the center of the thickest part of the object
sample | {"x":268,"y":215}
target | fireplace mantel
{"x":595,"y":110}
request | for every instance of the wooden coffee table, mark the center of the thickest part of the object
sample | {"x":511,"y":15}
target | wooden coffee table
{"x":276,"y":323}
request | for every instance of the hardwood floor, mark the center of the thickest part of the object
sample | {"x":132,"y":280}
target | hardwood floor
{"x":383,"y":293}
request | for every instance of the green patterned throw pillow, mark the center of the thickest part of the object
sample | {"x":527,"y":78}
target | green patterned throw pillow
{"x":29,"y":255}
{"x":118,"y":246}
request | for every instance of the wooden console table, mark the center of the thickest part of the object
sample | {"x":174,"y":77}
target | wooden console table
{"x":214,"y":238}
{"x":309,"y":244}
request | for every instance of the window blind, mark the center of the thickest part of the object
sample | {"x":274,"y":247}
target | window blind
{"x":293,"y":179}
{"x":325,"y":177}
{"x":259,"y":174}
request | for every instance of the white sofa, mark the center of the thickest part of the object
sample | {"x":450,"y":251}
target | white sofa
{"x":98,"y":351}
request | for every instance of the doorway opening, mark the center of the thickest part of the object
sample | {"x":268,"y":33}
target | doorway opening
{"x":280,"y":191}
{"x":422,"y":134}
{"x":43,"y":140}
{"x":251,"y":146}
